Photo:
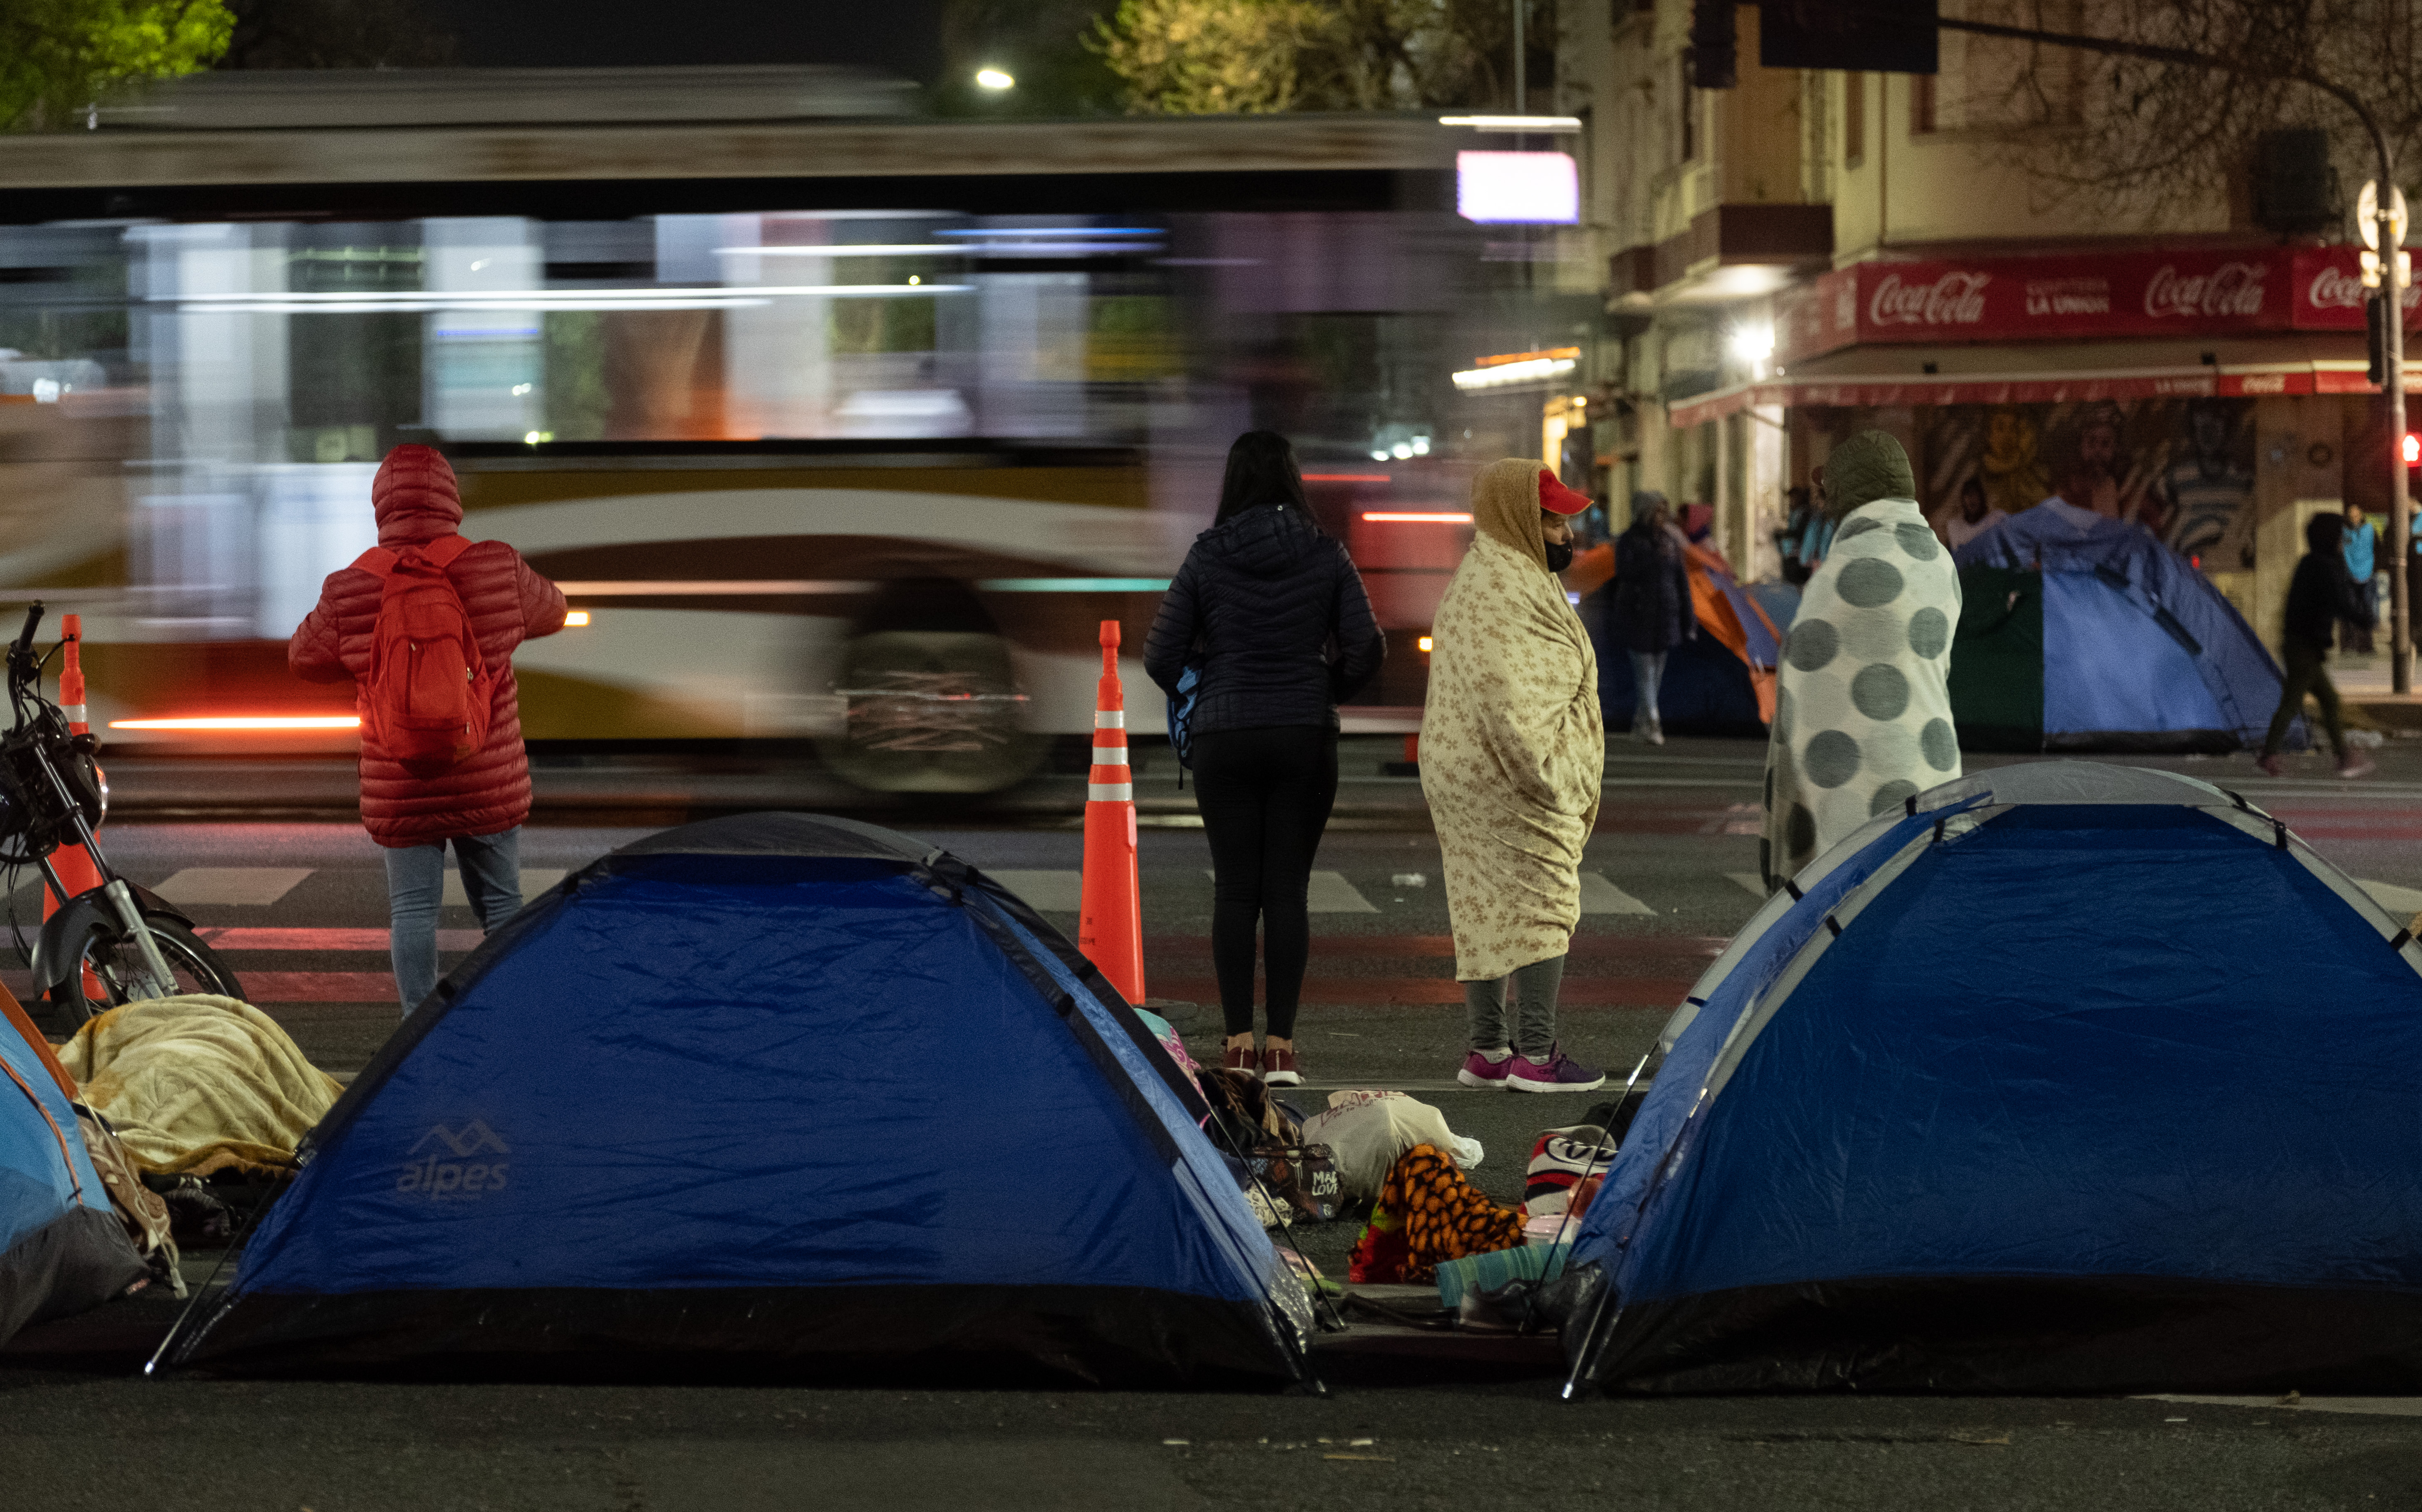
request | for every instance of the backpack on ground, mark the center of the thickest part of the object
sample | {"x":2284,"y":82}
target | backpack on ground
{"x":428,"y":695}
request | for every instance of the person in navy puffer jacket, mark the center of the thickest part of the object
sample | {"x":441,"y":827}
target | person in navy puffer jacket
{"x":1276,"y":615}
{"x":478,"y":804}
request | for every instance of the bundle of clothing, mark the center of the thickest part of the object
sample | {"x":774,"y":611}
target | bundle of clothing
{"x":1428,"y":1213}
{"x":198,"y":1084}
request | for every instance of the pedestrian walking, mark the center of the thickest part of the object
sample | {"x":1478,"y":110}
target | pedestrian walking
{"x":1863,"y":716}
{"x":427,"y":617}
{"x":2362,"y":559}
{"x":2321,"y":593}
{"x":1272,"y":611}
{"x":1512,"y":762}
{"x":1652,"y":605}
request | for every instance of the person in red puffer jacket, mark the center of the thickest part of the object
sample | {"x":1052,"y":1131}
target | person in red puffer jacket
{"x":478,"y":805}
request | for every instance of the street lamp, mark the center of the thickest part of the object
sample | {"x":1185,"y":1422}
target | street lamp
{"x":994,"y":79}
{"x":2382,"y":220}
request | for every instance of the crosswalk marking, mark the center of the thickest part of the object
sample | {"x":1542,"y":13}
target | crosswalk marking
{"x":1328,"y":892}
{"x":2404,"y":902}
{"x":1598,"y":895}
{"x":1750,"y":883}
{"x":1049,"y":892}
{"x":231,"y":884}
{"x":535,"y":879}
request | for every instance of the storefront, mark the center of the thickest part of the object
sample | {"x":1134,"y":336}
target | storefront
{"x":2214,"y":396}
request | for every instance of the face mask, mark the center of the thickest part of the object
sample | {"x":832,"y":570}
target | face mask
{"x":1559,"y":557}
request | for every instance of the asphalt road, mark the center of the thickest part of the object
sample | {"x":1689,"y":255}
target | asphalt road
{"x":1474,"y":1428}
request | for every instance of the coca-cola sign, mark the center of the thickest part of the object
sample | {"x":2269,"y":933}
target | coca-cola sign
{"x":2232,"y":289}
{"x":1955,"y":298}
{"x":2077,"y":297}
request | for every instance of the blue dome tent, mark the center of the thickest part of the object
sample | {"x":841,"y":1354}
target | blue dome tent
{"x":62,"y":1248}
{"x":2083,"y":634}
{"x":770,"y":1094}
{"x":2068,"y":1078}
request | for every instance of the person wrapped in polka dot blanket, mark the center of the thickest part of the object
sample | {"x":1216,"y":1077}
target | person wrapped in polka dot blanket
{"x":1863,"y":714}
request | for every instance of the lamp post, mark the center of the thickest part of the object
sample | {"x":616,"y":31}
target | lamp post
{"x":2382,"y":219}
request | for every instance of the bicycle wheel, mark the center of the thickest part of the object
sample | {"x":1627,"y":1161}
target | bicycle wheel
{"x":107,"y":961}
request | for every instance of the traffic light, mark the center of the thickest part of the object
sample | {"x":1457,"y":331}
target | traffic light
{"x":2413,"y":450}
{"x":2375,"y":348}
{"x":1715,"y":53}
{"x":1863,"y":35}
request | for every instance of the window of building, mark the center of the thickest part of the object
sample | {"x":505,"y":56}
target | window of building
{"x":1854,"y":118}
{"x":1689,"y":107}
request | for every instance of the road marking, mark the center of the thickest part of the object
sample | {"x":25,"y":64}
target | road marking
{"x":243,"y":937}
{"x":1330,"y":892}
{"x":1750,"y":883}
{"x":1598,"y":895}
{"x":1327,"y":892}
{"x":535,"y":879}
{"x":1047,"y":892}
{"x":2404,"y":902}
{"x":231,"y":884}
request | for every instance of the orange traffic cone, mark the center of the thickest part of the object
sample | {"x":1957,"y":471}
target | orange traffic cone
{"x":1110,"y":922}
{"x":76,"y":871}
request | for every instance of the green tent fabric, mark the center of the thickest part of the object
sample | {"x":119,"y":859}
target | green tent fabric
{"x":1997,"y":657}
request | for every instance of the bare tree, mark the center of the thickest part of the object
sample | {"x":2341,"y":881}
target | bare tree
{"x":2153,"y":131}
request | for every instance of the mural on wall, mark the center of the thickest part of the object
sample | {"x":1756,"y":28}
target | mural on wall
{"x":2183,"y":468}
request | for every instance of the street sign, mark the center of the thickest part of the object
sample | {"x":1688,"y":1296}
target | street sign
{"x":1873,"y":37}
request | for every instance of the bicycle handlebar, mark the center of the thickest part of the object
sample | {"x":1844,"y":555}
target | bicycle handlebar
{"x":25,"y":637}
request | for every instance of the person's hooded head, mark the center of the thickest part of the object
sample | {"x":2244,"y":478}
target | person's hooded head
{"x":415,"y":497}
{"x":1513,"y":503}
{"x":1870,"y":465}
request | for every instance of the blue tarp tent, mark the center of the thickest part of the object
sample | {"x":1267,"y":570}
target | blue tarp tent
{"x":62,"y":1248}
{"x":2068,"y":1078}
{"x":770,"y":1093}
{"x":2083,"y":634}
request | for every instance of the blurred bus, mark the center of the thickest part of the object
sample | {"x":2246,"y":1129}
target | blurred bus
{"x":837,"y":426}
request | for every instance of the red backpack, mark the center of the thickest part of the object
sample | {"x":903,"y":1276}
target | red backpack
{"x":428,"y":695}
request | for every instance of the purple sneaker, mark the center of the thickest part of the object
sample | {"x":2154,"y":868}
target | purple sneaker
{"x":1559,"y":1072}
{"x":1482,"y":1072}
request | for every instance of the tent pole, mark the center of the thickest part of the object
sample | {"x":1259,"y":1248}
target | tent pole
{"x":260,"y":1204}
{"x":1303,"y":1352}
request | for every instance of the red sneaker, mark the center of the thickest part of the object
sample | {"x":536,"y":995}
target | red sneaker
{"x":1277,"y":1067}
{"x":1242,"y":1058}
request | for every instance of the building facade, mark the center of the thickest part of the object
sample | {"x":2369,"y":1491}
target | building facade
{"x":1811,"y":254}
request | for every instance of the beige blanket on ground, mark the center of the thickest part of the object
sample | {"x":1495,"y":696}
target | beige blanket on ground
{"x":196,"y":1085}
{"x":1513,"y":745}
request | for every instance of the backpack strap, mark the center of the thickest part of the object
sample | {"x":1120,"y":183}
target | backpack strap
{"x":379,"y":561}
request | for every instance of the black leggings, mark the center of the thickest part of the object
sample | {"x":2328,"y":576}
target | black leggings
{"x":1264,"y":796}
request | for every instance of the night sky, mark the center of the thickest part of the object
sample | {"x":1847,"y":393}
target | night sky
{"x":900,"y":36}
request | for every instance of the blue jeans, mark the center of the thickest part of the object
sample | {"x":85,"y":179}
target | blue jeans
{"x":415,"y":885}
{"x":1648,"y":671}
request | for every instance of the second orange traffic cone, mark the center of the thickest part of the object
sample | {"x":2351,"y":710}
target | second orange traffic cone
{"x":1109,"y":924}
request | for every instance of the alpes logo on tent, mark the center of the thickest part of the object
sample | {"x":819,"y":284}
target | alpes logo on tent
{"x":430,"y":1171}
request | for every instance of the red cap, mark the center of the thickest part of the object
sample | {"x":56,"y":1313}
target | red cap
{"x":1557,"y":498}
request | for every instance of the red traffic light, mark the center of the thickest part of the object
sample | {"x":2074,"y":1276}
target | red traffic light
{"x":2412,"y":450}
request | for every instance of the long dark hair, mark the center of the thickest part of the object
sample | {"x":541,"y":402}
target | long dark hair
{"x":1261,"y":470}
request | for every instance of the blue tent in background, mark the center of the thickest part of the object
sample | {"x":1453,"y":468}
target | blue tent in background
{"x":62,"y":1248}
{"x":2083,"y":634}
{"x":2068,"y":1078}
{"x":773,"y":1092}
